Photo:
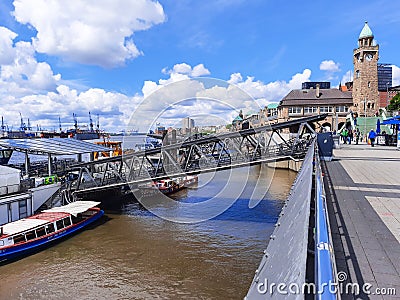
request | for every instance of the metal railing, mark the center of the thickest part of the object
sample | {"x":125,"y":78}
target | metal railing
{"x":325,"y":266}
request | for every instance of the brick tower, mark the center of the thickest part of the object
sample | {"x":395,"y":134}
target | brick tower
{"x":365,"y":81}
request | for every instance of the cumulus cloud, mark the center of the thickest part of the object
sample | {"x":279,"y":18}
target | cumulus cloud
{"x":185,"y":69}
{"x":272,"y":91}
{"x":395,"y":75}
{"x":30,"y":87}
{"x":20,"y":73}
{"x":347,"y":77}
{"x":7,"y":51}
{"x":95,"y":33}
{"x":181,"y":96}
{"x":330,"y":66}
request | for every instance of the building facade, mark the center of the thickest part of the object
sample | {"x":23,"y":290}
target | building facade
{"x":307,"y":102}
{"x":365,"y":81}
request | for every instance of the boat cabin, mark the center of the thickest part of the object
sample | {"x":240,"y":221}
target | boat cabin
{"x":47,"y":223}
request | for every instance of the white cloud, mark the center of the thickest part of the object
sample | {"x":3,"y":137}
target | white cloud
{"x":31,"y":87}
{"x":7,"y":52}
{"x":272,"y":91}
{"x":185,"y":69}
{"x":201,"y":98}
{"x":395,"y":75}
{"x":200,"y":70}
{"x":21,"y":74}
{"x":330,"y":66}
{"x":347,"y":77}
{"x":97,"y":33}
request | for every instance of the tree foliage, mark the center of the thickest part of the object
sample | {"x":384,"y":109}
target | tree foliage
{"x":394,"y":103}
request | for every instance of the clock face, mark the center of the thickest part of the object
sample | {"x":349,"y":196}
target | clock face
{"x":368,"y":56}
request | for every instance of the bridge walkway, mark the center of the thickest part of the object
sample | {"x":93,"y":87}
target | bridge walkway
{"x":363,"y":185}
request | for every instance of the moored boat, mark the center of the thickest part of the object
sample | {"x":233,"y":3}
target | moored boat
{"x":25,"y":236}
{"x":168,"y":186}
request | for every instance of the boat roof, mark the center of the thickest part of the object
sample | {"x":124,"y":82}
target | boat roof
{"x":48,"y":215}
{"x":22,"y":225}
{"x":73,"y":208}
{"x":56,"y":146}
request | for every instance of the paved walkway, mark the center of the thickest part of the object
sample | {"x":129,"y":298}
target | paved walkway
{"x":363,"y":192}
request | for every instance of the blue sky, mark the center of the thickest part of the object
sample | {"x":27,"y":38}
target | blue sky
{"x":109,"y":56}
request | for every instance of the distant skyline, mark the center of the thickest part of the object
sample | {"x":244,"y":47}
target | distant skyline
{"x":63,"y":57}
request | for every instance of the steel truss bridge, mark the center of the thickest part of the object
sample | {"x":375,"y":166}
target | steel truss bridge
{"x":193,"y":156}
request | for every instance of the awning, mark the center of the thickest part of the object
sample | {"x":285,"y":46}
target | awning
{"x":74,"y":208}
{"x":56,"y":146}
{"x":391,"y":122}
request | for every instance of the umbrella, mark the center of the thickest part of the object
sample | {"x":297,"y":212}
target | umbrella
{"x":391,"y":122}
{"x":378,"y":126}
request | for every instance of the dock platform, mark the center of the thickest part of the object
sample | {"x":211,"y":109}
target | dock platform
{"x":363,"y":196}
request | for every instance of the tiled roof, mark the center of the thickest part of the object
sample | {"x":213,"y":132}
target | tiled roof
{"x":326,"y":96}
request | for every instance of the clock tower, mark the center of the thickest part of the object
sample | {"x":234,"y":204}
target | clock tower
{"x":365,"y":79}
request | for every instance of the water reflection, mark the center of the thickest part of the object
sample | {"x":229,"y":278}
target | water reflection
{"x":136,"y":255}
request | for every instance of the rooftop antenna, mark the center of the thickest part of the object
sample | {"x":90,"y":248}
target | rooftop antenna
{"x":90,"y":122}
{"x":75,"y":121}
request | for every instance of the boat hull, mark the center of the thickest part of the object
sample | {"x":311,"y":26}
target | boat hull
{"x":18,"y":251}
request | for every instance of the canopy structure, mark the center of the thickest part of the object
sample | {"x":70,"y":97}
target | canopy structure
{"x":74,"y":208}
{"x":392,"y":121}
{"x":56,"y":146}
{"x":49,"y":147}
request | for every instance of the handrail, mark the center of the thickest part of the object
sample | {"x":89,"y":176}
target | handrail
{"x":325,"y":267}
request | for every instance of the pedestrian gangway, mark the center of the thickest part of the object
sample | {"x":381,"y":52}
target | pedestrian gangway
{"x":265,"y":144}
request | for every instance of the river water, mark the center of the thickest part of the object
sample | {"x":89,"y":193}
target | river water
{"x":134,"y":254}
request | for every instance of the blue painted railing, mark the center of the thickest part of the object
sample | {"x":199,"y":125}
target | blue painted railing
{"x":325,"y":267}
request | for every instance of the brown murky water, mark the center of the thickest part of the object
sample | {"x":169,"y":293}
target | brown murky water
{"x":134,"y":254}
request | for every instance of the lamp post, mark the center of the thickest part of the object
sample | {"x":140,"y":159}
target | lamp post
{"x":387,"y":95}
{"x":365,"y":119}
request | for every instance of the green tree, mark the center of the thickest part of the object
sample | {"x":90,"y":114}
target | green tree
{"x":394,"y":103}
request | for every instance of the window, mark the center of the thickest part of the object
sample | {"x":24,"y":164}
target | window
{"x":40,"y":231}
{"x":30,"y":235}
{"x":60,"y":224}
{"x":369,"y":84}
{"x":50,"y":228}
{"x":325,"y":109}
{"x":294,"y":110}
{"x":341,"y":109}
{"x":310,"y":110}
{"x":67,"y":222}
{"x":23,"y":209}
{"x":20,"y":238}
{"x":358,"y":74}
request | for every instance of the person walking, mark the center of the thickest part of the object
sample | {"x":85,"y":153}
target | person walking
{"x":372,"y":136}
{"x":357,"y":134}
{"x":345,"y":135}
{"x":351,"y":135}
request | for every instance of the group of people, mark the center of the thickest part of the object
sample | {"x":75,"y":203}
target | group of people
{"x":349,"y":136}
